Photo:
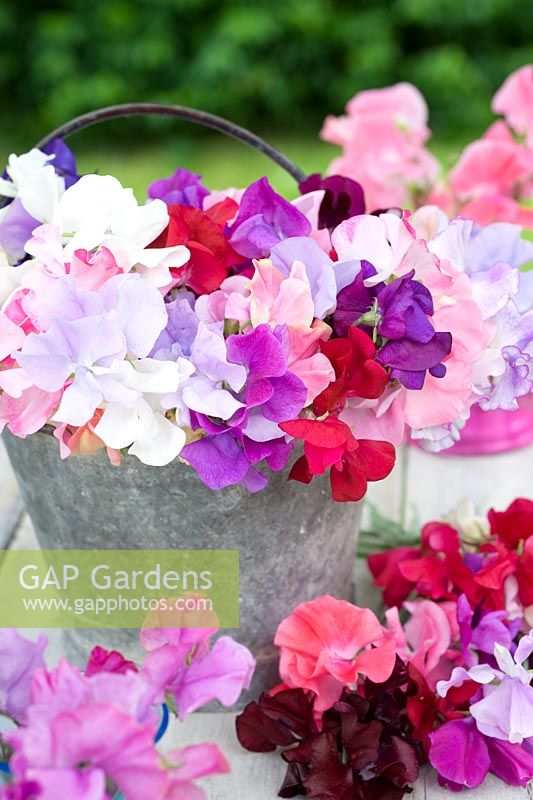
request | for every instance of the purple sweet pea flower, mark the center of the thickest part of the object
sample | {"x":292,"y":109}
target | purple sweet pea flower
{"x":505,"y":710}
{"x":460,"y":754}
{"x":264,"y":219}
{"x":64,"y":161}
{"x":481,"y":631}
{"x":183,"y":188}
{"x":413,"y":346}
{"x":355,"y":300}
{"x":343,"y":198}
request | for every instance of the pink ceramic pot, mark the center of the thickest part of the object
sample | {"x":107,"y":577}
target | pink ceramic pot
{"x":495,"y":431}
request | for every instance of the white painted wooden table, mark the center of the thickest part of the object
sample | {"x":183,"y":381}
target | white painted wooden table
{"x":422,"y":486}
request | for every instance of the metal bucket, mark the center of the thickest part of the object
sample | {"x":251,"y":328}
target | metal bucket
{"x":295,"y":542}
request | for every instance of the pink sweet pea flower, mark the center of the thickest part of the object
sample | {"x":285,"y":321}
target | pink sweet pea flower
{"x":327,"y":643}
{"x":102,"y":660}
{"x":427,"y":637}
{"x":191,"y":763}
{"x":514,"y":99}
{"x":383,"y":137}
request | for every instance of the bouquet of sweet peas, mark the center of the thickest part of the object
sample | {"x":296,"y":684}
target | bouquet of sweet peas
{"x":446,"y":679}
{"x":222,"y":328}
{"x":93,"y":733}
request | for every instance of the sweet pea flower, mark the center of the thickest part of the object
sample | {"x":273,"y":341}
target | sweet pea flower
{"x":134,"y":416}
{"x":463,"y":756}
{"x":182,"y":662}
{"x":264,"y":219}
{"x":514,"y":99}
{"x":187,"y":764}
{"x":326,"y":278}
{"x":506,"y":709}
{"x":382,"y":136}
{"x":427,"y":637}
{"x":19,"y":658}
{"x":97,"y":211}
{"x":182,"y":188}
{"x":326,"y":644}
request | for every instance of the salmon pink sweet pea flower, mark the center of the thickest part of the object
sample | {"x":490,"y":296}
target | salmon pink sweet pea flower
{"x":326,"y":644}
{"x":514,"y":99}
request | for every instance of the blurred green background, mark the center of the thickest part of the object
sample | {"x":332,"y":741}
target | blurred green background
{"x":277,"y":66}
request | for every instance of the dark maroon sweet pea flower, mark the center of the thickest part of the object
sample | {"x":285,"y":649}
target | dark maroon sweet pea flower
{"x":343,"y":198}
{"x":264,"y":219}
{"x":183,"y":188}
{"x":365,"y":748}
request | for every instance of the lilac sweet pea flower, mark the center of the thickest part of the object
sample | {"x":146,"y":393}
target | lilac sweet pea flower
{"x":183,"y":188}
{"x":19,"y":658}
{"x":506,"y":709}
{"x":181,"y":662}
{"x":177,"y":337}
{"x":90,"y":330}
{"x":16,"y":228}
{"x":500,"y":243}
{"x":264,"y":219}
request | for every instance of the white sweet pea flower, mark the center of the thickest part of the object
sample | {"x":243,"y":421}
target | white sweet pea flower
{"x":136,"y":419}
{"x":99,"y":211}
{"x":32,"y":178}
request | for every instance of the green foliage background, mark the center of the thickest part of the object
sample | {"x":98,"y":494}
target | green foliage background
{"x":278,"y":65}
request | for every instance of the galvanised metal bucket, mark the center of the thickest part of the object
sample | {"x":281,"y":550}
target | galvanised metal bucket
{"x":295,"y":542}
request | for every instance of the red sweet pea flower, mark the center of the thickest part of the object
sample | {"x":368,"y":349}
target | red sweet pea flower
{"x":203,"y":233}
{"x":357,"y":373}
{"x":385,"y":569}
{"x":513,"y":525}
{"x":331,"y":443}
{"x":524,"y":574}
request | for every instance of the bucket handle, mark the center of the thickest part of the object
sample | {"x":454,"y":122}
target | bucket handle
{"x":193,"y":115}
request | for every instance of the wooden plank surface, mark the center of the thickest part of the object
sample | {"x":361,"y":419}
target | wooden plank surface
{"x":259,"y":776}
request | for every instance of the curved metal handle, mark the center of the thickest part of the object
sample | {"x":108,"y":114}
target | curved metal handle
{"x":182,"y":112}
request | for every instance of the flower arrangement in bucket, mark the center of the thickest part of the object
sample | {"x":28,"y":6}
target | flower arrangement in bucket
{"x":221,"y":328}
